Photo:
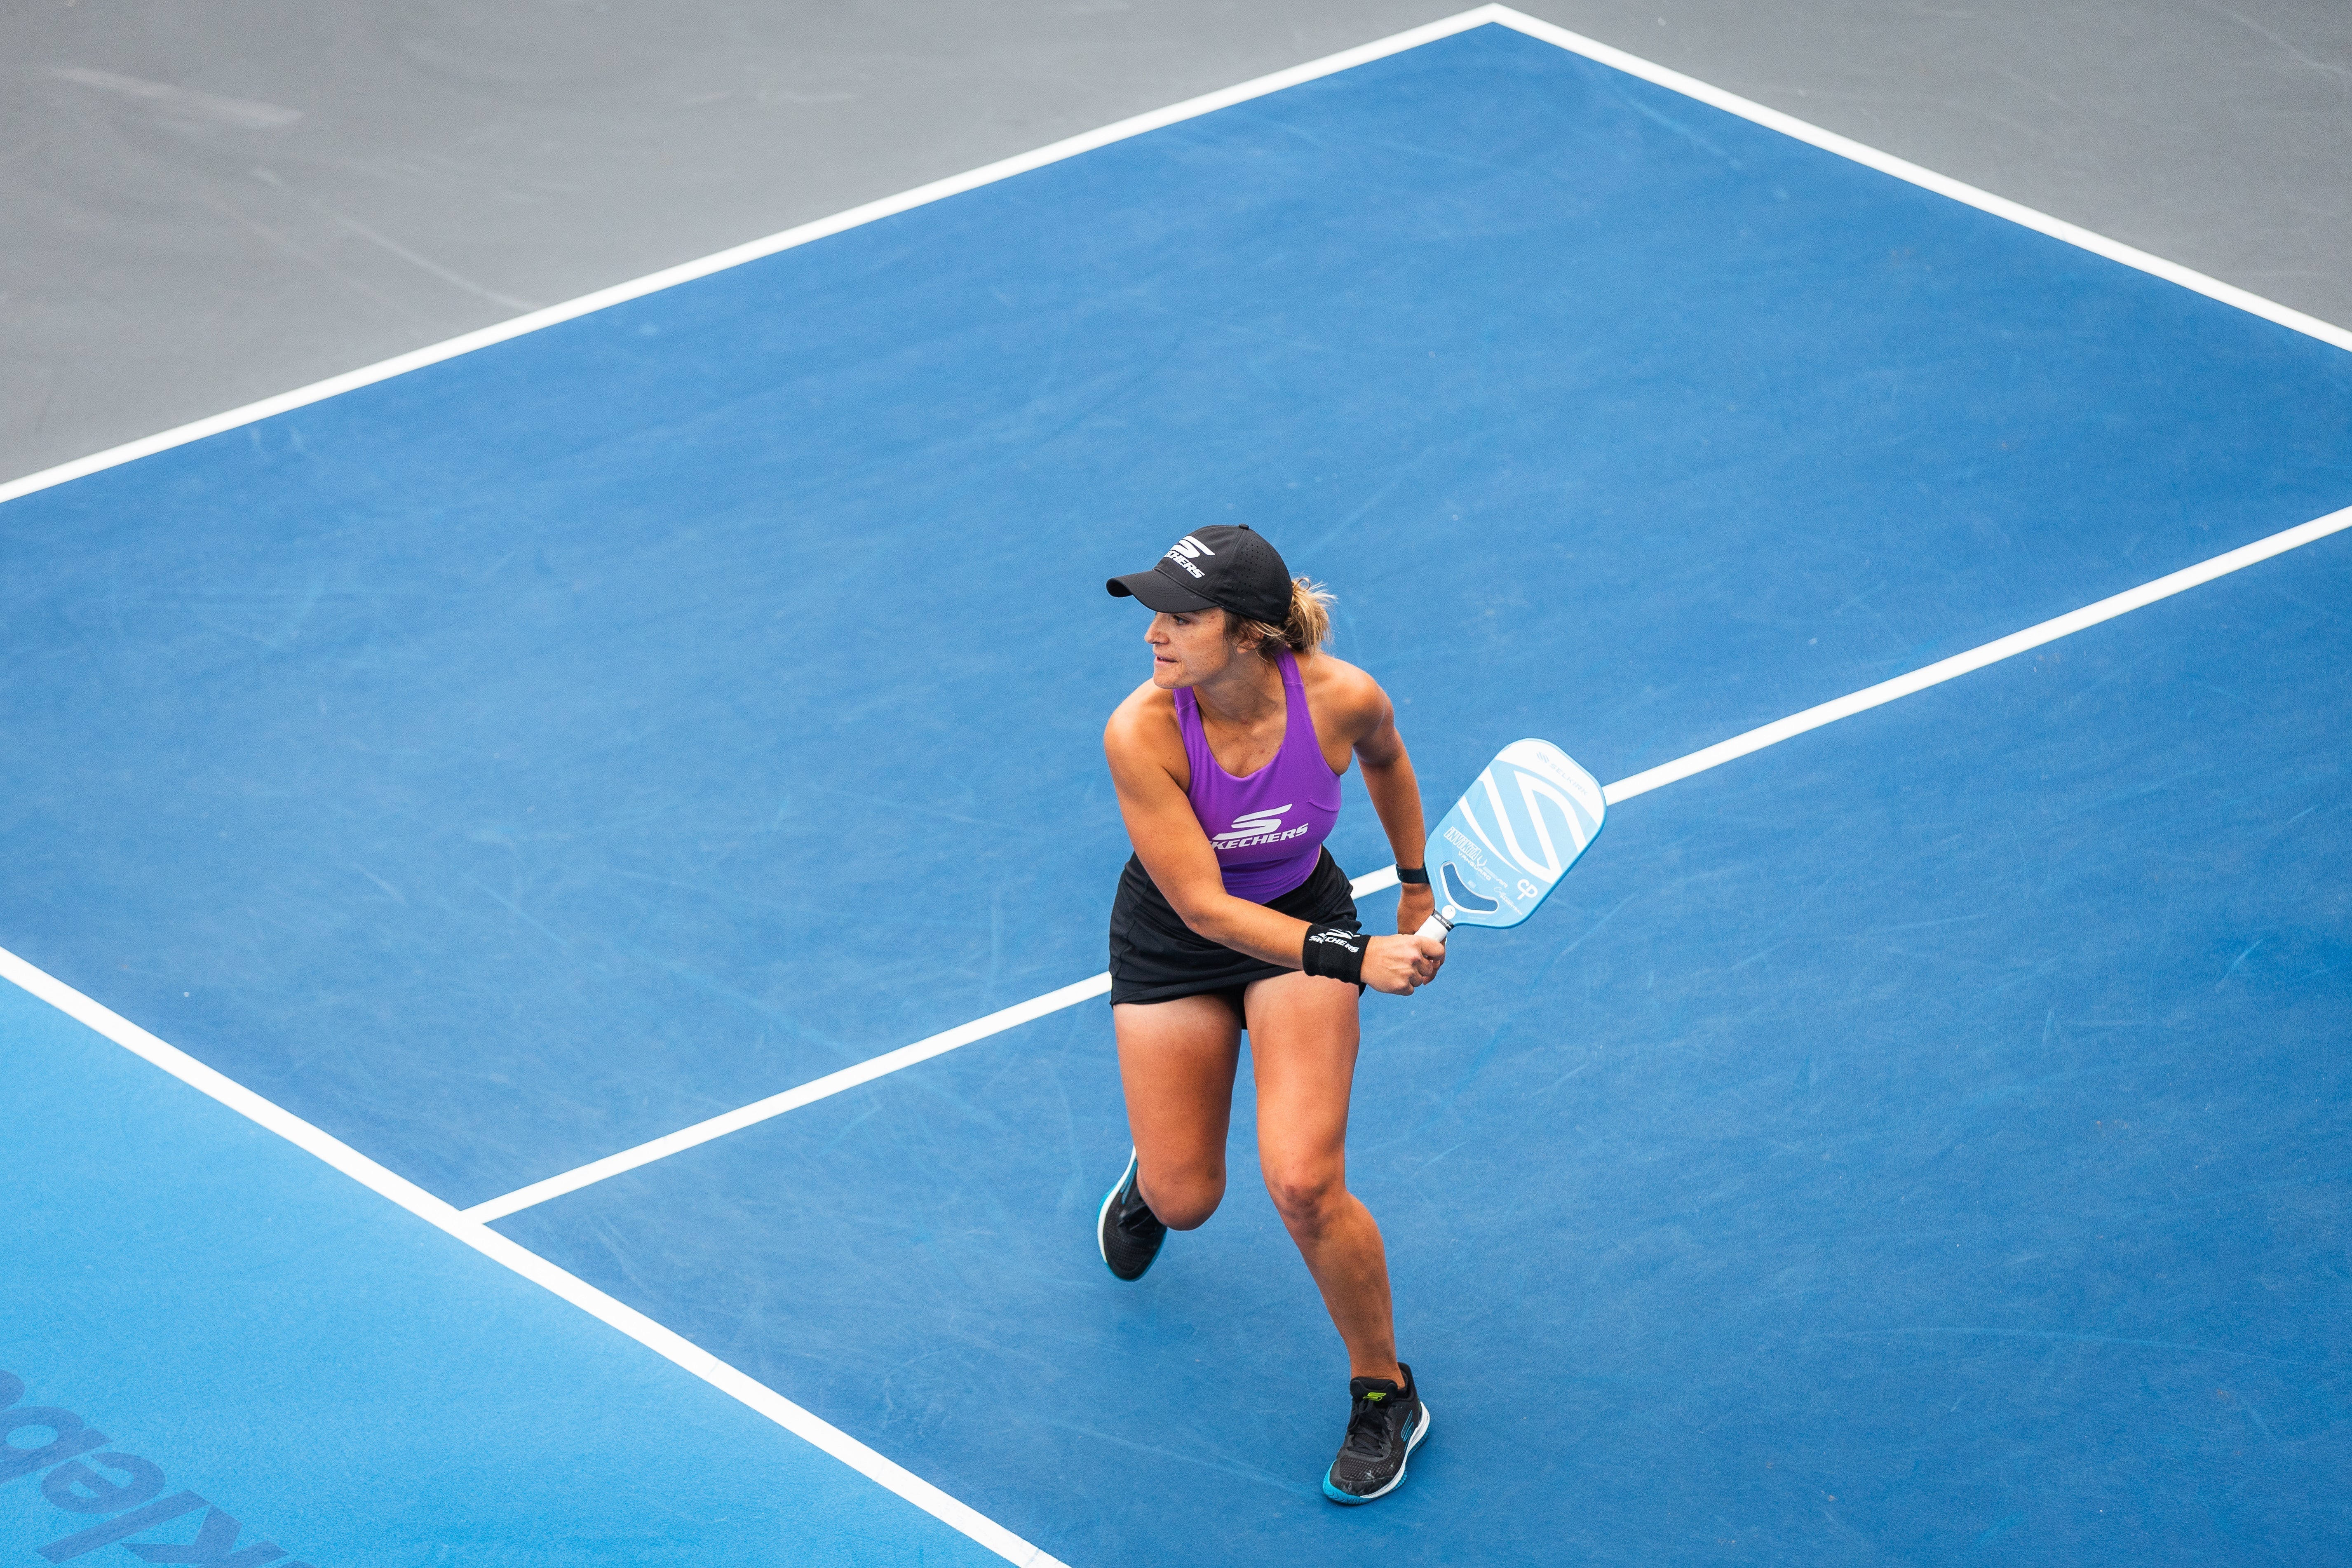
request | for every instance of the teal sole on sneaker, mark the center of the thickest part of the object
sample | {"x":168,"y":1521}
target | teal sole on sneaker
{"x":1350,"y":1499}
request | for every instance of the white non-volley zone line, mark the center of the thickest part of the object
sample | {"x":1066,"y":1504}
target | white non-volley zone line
{"x":808,"y":1093}
{"x":1501,"y":15}
{"x":1993,"y":652}
{"x":1624,"y":789}
{"x":670,"y":1346}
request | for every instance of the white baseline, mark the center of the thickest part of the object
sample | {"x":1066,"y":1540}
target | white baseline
{"x":1500,"y":16}
{"x":736,"y":256}
{"x":1624,"y":789}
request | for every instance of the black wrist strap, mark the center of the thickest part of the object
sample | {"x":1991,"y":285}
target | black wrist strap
{"x":1413,"y":876}
{"x":1335,"y":951}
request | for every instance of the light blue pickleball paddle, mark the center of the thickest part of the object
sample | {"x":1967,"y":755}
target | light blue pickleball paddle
{"x":1511,"y":837}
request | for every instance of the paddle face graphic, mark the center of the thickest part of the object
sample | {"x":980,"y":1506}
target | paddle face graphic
{"x":1513,"y":835}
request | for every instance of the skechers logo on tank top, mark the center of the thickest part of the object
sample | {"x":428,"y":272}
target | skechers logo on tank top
{"x":1268,"y":828}
{"x":1258,"y":827}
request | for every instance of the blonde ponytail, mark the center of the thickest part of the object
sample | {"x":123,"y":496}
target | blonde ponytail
{"x":1307,"y":627}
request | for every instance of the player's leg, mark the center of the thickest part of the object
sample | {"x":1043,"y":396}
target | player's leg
{"x":1176,"y":1061}
{"x":1303,"y":1053}
{"x":1303,"y":1037}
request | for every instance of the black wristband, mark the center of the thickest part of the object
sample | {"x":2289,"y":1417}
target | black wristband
{"x":1413,"y":877}
{"x":1334,"y":952}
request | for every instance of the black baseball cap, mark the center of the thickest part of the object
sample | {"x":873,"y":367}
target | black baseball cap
{"x":1221,"y":566}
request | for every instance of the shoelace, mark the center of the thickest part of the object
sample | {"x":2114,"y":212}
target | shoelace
{"x":1134,"y":1216}
{"x":1369,"y":1426}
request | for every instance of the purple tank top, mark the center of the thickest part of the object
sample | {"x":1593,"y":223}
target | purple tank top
{"x":1268,"y":828}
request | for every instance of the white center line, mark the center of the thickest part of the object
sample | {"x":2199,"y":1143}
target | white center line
{"x":1643,"y":783}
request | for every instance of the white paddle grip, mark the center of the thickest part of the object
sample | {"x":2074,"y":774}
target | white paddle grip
{"x":1436,"y":926}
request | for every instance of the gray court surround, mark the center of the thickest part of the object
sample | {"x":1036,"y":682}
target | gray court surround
{"x":207,"y":202}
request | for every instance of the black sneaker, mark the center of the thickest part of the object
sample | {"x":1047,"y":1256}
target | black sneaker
{"x":1127,"y":1231}
{"x":1385,"y":1426}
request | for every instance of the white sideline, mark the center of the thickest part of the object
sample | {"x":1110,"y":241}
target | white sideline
{"x":528,"y":1264}
{"x":1927,"y":178}
{"x":1643,"y":783}
{"x":1501,"y":15}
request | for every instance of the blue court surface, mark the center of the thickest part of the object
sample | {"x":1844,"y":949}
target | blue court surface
{"x":1924,"y":1140}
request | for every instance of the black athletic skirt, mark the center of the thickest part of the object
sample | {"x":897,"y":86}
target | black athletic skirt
{"x":1155,"y":957}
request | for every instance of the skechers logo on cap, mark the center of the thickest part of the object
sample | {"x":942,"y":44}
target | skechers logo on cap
{"x":1183,"y":551}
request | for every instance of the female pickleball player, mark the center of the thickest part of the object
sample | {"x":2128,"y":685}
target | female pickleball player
{"x":1232,"y":915}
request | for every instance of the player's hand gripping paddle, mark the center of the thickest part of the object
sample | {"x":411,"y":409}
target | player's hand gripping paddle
{"x":1511,"y":837}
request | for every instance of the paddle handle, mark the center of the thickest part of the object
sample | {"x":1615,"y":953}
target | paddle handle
{"x":1436,"y":926}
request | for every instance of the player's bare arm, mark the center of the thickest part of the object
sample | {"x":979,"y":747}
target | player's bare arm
{"x":1365,"y":721}
{"x":1150,"y":773}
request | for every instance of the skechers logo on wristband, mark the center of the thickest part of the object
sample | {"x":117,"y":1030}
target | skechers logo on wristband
{"x":1333,"y":953}
{"x":84,"y":1483}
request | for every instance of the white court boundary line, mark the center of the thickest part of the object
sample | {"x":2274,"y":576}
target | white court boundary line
{"x":1927,"y":179}
{"x":672,"y":1346}
{"x":1624,"y":789}
{"x":662,"y":1341}
{"x":736,"y":256}
{"x":1070,"y":147}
